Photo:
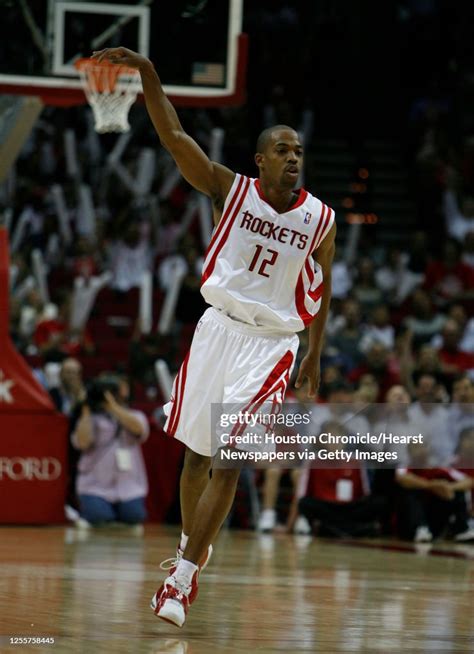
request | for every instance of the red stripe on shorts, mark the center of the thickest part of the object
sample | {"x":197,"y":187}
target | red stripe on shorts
{"x":174,"y":401}
{"x":268,"y":386}
{"x":176,"y":411}
{"x":281,"y":385}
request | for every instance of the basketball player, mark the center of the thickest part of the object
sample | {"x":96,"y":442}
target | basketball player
{"x":263,"y":286}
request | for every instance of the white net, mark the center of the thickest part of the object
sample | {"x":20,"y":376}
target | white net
{"x":110,"y":90}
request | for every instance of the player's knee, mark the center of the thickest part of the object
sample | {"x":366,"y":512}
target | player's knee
{"x":196,"y":464}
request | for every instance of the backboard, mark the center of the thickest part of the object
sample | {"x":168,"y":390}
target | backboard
{"x":196,"y":45}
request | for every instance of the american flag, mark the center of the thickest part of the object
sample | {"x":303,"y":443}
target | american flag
{"x":212,"y":74}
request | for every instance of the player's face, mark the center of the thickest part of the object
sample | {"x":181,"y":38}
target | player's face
{"x":283,"y":158}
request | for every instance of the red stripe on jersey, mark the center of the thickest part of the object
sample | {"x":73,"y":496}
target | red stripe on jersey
{"x":323,"y":232}
{"x":299,"y":300}
{"x":303,"y":194}
{"x":222,"y":221}
{"x":179,"y":399}
{"x":318,"y":230}
{"x":300,"y":292}
{"x":309,"y":270}
{"x":210,"y":267}
{"x":317,"y":293}
{"x":268,"y":385}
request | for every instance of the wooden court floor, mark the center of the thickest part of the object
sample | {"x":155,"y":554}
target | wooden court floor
{"x":90,"y":592}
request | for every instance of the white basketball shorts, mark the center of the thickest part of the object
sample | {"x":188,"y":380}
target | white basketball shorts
{"x":231,"y":363}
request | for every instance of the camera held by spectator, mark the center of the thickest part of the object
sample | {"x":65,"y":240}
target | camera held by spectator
{"x":96,"y":398}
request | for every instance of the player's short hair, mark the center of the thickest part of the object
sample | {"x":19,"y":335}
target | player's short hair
{"x":266,"y":135}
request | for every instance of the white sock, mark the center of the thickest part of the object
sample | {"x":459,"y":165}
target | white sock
{"x":184,"y":541}
{"x":185,"y":571}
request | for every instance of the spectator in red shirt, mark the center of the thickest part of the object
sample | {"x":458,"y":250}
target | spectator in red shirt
{"x":431,"y":499}
{"x":338,"y":496}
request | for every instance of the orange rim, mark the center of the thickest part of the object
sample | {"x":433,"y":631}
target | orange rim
{"x":102,"y":76}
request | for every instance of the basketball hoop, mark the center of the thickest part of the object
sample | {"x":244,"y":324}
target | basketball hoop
{"x":110,"y":89}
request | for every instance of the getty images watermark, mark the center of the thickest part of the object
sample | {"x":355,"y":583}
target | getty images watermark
{"x":340,"y":435}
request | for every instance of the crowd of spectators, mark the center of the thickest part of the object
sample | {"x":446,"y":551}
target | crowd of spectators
{"x":416,"y":482}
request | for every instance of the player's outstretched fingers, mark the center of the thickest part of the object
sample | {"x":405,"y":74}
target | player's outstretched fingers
{"x":117,"y":55}
{"x":99,"y":54}
{"x":120,"y":55}
{"x":114,"y":55}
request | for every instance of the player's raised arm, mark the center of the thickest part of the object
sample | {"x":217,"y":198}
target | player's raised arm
{"x":206,"y":176}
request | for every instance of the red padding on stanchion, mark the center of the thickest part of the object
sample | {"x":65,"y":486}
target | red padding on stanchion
{"x":33,"y":469}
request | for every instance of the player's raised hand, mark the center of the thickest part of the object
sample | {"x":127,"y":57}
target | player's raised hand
{"x":122,"y":56}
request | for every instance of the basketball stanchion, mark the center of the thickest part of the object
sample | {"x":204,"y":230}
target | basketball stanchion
{"x":110,"y":90}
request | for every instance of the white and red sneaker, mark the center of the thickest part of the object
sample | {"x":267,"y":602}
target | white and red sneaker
{"x":171,"y":601}
{"x":172,"y":563}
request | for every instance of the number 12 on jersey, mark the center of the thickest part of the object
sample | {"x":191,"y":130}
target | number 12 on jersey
{"x":270,"y":261}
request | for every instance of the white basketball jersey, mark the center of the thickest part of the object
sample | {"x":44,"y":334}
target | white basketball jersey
{"x":258,"y":267}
